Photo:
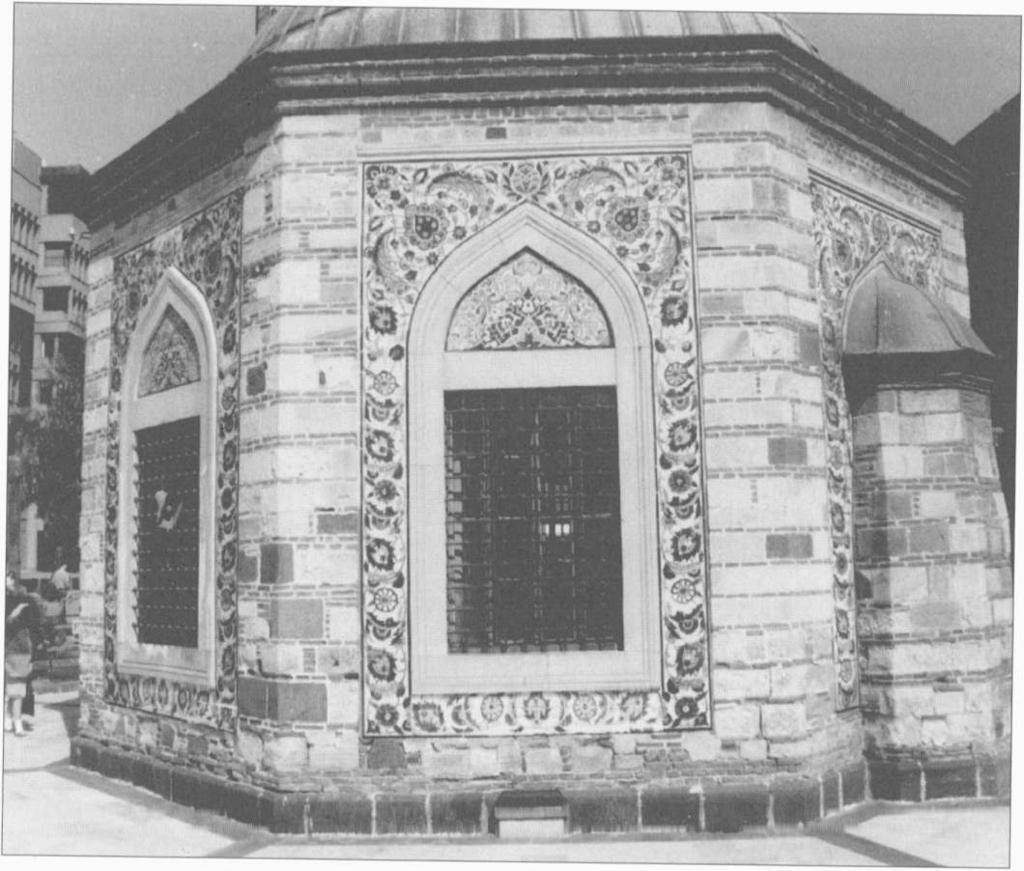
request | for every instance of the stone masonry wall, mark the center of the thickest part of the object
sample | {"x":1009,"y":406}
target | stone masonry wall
{"x":300,"y":564}
{"x":772,"y":608}
{"x":933,"y":574}
{"x":165,"y":738}
{"x":299,"y":569}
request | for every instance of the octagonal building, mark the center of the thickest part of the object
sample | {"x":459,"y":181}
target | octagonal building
{"x":495,"y":413}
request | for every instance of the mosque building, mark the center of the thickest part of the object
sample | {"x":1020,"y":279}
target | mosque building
{"x":569,"y":416}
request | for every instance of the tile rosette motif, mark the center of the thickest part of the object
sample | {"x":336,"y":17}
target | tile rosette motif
{"x":851,"y":236}
{"x":638,"y":208}
{"x":207,"y":250}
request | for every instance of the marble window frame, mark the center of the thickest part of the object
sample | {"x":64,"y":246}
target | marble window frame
{"x":627,"y":366}
{"x":198,"y":399}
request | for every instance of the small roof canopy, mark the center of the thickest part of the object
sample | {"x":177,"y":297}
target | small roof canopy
{"x":887,"y":315}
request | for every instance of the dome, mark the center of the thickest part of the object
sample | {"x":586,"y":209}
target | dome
{"x":330,"y":28}
{"x":887,"y":315}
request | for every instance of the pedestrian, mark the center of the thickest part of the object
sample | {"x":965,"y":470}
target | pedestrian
{"x":22,"y":623}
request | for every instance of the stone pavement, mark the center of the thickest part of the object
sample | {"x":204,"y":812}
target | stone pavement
{"x":52,"y":808}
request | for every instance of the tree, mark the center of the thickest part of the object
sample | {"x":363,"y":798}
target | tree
{"x":44,"y":462}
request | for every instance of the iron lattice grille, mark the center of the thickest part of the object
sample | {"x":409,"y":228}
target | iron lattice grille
{"x":167,"y":509}
{"x":533,"y":541}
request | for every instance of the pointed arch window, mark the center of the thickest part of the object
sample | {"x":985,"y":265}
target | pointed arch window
{"x":532,"y":524}
{"x":167,"y":466}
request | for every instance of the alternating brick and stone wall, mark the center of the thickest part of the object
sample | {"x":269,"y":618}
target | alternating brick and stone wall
{"x":934,"y":586}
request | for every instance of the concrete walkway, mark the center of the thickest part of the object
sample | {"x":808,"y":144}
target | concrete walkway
{"x":52,"y":808}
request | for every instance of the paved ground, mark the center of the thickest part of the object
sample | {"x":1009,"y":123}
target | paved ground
{"x":51,"y":808}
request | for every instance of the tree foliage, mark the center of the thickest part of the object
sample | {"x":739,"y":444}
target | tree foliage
{"x":44,"y":462}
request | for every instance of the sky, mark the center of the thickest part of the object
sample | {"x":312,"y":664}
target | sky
{"x":90,"y":80}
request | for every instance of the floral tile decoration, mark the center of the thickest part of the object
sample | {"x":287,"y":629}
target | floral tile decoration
{"x":206,"y":248}
{"x":851,"y":236}
{"x":638,"y":207}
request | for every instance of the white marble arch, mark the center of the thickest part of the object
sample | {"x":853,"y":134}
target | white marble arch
{"x":196,"y":399}
{"x":627,"y":365}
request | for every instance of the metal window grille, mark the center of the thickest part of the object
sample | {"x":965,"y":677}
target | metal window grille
{"x":533,"y":543}
{"x":167,"y":512}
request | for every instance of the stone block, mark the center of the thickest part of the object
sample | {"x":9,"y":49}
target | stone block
{"x":253,"y":698}
{"x":455,"y":813}
{"x":114,"y":763}
{"x":676,"y":808}
{"x":880,"y":543}
{"x":250,"y":747}
{"x":895,"y":781}
{"x":337,"y":524}
{"x":754,"y":749}
{"x":276,"y":564}
{"x":789,"y":682}
{"x":248,"y":567}
{"x":484,"y":762}
{"x":623,"y":744}
{"x":854,"y":784}
{"x":702,"y":746}
{"x":921,"y":401}
{"x":954,"y":779}
{"x":401,"y":814}
{"x":283,"y":814}
{"x":935,"y":616}
{"x":795,"y":801}
{"x":386,"y":753}
{"x":783,"y":721}
{"x":789,"y":545}
{"x":787,"y":451}
{"x":285,"y":752}
{"x":447,"y":764}
{"x":732,"y":808}
{"x":333,"y":751}
{"x":197,"y":789}
{"x":602,"y":810}
{"x":297,"y":702}
{"x":741,"y":684}
{"x":932,"y":537}
{"x":340,"y":813}
{"x":543,"y":760}
{"x":737,"y":722}
{"x":297,"y":618}
{"x":589,"y":759}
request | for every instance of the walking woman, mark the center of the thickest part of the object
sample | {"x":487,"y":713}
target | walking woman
{"x":22,"y":624}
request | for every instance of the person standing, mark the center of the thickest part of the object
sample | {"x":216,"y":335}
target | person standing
{"x":22,"y":623}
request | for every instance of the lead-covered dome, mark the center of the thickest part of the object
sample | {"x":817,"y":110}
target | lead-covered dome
{"x":327,"y":28}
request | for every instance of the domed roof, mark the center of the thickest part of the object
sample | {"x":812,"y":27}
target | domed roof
{"x":319,"y":28}
{"x":887,"y":315}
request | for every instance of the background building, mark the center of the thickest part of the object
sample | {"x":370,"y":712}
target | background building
{"x":992,"y":229}
{"x":49,"y":294}
{"x":481,"y":401}
{"x":26,"y":209}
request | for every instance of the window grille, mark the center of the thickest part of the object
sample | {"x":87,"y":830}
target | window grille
{"x":167,"y":511}
{"x":533,"y":542}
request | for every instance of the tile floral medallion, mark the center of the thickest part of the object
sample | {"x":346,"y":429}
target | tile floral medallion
{"x":850,"y":236}
{"x":415,"y":214}
{"x":206,"y":249}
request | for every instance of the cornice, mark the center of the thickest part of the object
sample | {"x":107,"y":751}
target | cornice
{"x":212,"y":131}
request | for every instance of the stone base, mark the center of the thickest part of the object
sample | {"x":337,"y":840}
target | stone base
{"x":931,"y":779}
{"x":779,"y":801}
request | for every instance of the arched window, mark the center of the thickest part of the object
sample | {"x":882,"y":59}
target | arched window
{"x":533,"y":543}
{"x":167,"y":470}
